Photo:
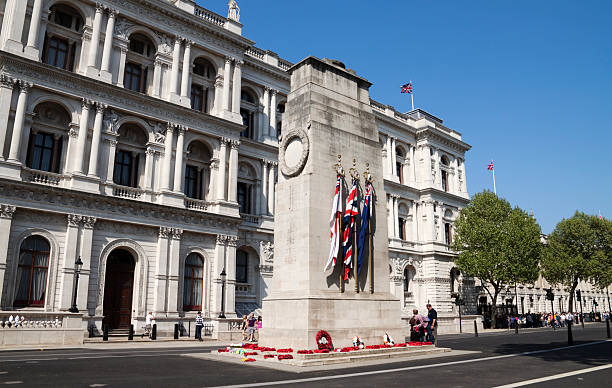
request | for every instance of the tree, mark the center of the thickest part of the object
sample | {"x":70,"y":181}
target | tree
{"x":579,"y":249}
{"x":497,"y":244}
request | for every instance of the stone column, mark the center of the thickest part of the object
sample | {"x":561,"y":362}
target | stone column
{"x":148,"y":178}
{"x":84,"y":277}
{"x":237,"y":86}
{"x":230,"y":287}
{"x":16,"y":139}
{"x":82,"y":139}
{"x":266,"y":112}
{"x":32,"y":47}
{"x":12,"y":26}
{"x":271,"y":181}
{"x":107,"y":51}
{"x":226,"y":83}
{"x":396,"y":216}
{"x":174,"y":75}
{"x":212,"y":180}
{"x":264,"y":188}
{"x":167,"y":165}
{"x":389,"y":156}
{"x":455,"y":188}
{"x":273,"y":113}
{"x":110,"y":166}
{"x":6,"y":218}
{"x":393,"y":159}
{"x":427,"y":173}
{"x":92,"y":57}
{"x":95,"y":140}
{"x":161,"y":270}
{"x":415,"y":219}
{"x":186,"y":72}
{"x":390,"y":211}
{"x":157,"y":74}
{"x":260,"y":123}
{"x":412,"y":165}
{"x":217,"y":106}
{"x":6,"y":96}
{"x":66,"y":267}
{"x":219,"y":265}
{"x":222,"y":169}
{"x":173,"y":270}
{"x":121,"y":73}
{"x":178,"y":160}
{"x":437,"y":182}
{"x":233,"y":171}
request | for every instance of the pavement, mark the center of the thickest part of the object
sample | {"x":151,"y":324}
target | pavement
{"x":539,"y":357}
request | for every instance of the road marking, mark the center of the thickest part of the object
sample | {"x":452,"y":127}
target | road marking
{"x":378,"y":372}
{"x":12,"y":382}
{"x":555,"y":377}
{"x":98,"y":385}
{"x":96,"y":355}
{"x":3,"y":373}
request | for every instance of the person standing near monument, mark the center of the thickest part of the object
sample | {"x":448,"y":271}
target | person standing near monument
{"x":432,"y":315}
{"x":199,"y":323}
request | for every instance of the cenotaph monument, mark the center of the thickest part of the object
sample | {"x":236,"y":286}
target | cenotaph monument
{"x":327,"y":114}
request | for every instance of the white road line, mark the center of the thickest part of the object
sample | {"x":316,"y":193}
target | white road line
{"x":94,"y":357}
{"x":555,"y":377}
{"x":378,"y":372}
{"x":55,"y":356}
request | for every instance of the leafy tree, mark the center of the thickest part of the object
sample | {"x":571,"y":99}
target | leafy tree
{"x":579,"y":249}
{"x":497,"y":244}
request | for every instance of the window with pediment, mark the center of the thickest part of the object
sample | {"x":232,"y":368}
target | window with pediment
{"x":48,"y":137}
{"x":203,"y":85}
{"x":198,"y":171}
{"x":139,"y":63}
{"x":63,"y":37}
{"x":129,"y":155}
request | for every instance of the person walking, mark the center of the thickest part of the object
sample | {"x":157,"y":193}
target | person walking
{"x":199,"y":324}
{"x":243,"y":328}
{"x":251,"y":327}
{"x":432,"y":315}
{"x":148,"y":324}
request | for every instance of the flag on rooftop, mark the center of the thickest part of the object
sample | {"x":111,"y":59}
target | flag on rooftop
{"x":407,"y":88}
{"x":490,"y":166}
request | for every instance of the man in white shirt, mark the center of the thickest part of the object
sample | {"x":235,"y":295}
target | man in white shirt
{"x":149,"y":324}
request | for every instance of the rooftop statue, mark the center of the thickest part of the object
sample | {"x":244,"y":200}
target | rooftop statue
{"x":233,"y":11}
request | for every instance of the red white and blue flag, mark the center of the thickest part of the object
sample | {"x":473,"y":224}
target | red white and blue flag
{"x":490,"y":166}
{"x":366,"y":214}
{"x":407,"y":88}
{"x":334,"y":225}
{"x":351,"y":212}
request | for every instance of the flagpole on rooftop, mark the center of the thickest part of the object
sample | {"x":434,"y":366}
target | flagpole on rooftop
{"x":493,"y":170}
{"x":412,"y":96}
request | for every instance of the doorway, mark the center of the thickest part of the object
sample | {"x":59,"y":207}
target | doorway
{"x":118,"y":289}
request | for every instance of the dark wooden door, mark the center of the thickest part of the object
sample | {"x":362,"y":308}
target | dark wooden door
{"x":118,"y":290}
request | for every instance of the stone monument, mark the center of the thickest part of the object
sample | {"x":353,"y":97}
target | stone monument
{"x":328,"y":113}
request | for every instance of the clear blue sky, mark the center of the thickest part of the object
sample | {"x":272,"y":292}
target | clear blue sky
{"x":527,"y":83}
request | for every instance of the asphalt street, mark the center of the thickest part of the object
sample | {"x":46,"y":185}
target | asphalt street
{"x":540,"y":357}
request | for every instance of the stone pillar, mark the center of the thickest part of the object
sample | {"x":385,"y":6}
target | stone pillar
{"x":17,"y":137}
{"x":273,"y":113}
{"x":237,"y":87}
{"x":6,"y":218}
{"x":173,"y":270}
{"x":212,"y":180}
{"x":174,"y":76}
{"x":413,"y":178}
{"x":271,"y":182}
{"x":427,"y":180}
{"x":186,"y":72}
{"x":82,"y":139}
{"x":86,"y":244}
{"x":226,"y":83}
{"x":157,"y":73}
{"x":221,"y":180}
{"x":12,"y":26}
{"x":32,"y":47}
{"x":219,"y":265}
{"x":105,"y":69}
{"x":264,"y":188}
{"x":161,"y":270}
{"x":92,"y":57}
{"x":396,"y":216}
{"x":389,"y":163}
{"x":260,"y":123}
{"x":110,"y":166}
{"x":6,"y":96}
{"x":266,"y":112}
{"x":437,"y":181}
{"x":393,"y":159}
{"x":230,"y":287}
{"x":66,"y":267}
{"x":148,"y":178}
{"x":233,"y":171}
{"x":178,"y":160}
{"x":121,"y":73}
{"x":390,"y":216}
{"x":217,"y":107}
{"x":415,"y":219}
{"x":95,"y":140}
{"x":456,"y":189}
{"x":167,"y":165}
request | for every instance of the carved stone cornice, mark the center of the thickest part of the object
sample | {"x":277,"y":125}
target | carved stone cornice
{"x":7,"y":211}
{"x":177,"y":233}
{"x":88,"y":222}
{"x":165,"y":232}
{"x":232,"y":241}
{"x":74,"y":220}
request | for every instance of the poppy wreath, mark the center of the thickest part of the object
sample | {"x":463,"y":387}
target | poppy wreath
{"x":304,"y":352}
{"x":324,"y":340}
{"x":284,"y":356}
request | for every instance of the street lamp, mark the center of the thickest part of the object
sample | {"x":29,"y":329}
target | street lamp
{"x":223,"y":276}
{"x":78,"y":264}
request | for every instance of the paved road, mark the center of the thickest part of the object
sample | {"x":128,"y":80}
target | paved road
{"x":503,"y":358}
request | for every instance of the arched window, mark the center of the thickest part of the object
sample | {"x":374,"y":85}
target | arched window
{"x":242,"y":266}
{"x":47,"y":137}
{"x":247,"y":178}
{"x":63,"y":37}
{"x":193,"y":283}
{"x":444,"y":173}
{"x":139,"y":61}
{"x":203,"y":85}
{"x":408,"y":277}
{"x":448,"y":233}
{"x":248,"y":110}
{"x":130,"y":151}
{"x":32,"y":271}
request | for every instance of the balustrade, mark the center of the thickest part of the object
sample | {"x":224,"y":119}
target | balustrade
{"x":210,"y":16}
{"x":42,"y":177}
{"x":127,"y":192}
{"x":196,"y":204}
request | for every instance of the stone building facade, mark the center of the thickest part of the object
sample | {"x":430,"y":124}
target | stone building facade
{"x":141,"y":136}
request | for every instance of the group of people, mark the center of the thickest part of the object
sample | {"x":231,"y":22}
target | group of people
{"x":422,"y":327}
{"x":534,"y":320}
{"x":250,"y":327}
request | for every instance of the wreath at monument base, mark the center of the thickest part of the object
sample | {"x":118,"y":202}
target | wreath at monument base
{"x":324,"y":341}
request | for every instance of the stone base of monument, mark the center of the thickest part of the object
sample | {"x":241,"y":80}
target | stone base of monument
{"x":271,"y":358}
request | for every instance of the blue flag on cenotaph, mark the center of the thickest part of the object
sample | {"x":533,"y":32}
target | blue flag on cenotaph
{"x":366,"y":214}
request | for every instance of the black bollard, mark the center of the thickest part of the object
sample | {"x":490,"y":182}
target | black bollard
{"x":154,"y":332}
{"x":516,"y":327}
{"x":131,"y":333}
{"x":91,"y":331}
{"x":608,"y":326}
{"x":570,"y":337}
{"x":105,"y":334}
{"x":176,"y":331}
{"x":475,"y":329}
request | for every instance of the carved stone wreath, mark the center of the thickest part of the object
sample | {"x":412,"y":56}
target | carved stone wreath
{"x":294,"y":150}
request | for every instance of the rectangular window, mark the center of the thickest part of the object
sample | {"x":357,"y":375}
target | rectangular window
{"x":42,"y":152}
{"x":244,"y":197}
{"x":197,"y":98}
{"x":448,"y":234}
{"x":134,"y":77}
{"x":191,"y":182}
{"x":400,"y":223}
{"x":57,"y":53}
{"x":248,"y":121}
{"x":444,"y":181}
{"x":398,"y":168}
{"x":241,"y":267}
{"x":123,"y":169}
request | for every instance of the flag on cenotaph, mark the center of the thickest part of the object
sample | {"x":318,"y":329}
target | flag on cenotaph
{"x":366,"y":214}
{"x":350,"y":213}
{"x":334,"y":224}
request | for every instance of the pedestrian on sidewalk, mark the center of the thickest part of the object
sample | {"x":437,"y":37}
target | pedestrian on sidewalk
{"x":148,"y":324}
{"x":199,"y":323}
{"x":243,"y":328}
{"x":251,"y":327}
{"x":432,"y":315}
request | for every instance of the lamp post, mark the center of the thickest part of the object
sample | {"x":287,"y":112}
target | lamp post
{"x":223,"y":276}
{"x":579,"y":296}
{"x":78,"y":264}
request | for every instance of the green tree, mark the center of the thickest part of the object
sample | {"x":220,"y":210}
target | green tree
{"x":578,"y":249}
{"x":497,"y":244}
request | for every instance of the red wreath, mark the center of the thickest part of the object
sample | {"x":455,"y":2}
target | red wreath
{"x":325,"y":344}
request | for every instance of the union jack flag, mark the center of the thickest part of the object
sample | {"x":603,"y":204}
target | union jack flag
{"x":490,"y":166}
{"x":334,"y":225}
{"x":407,"y":88}
{"x":350,"y":214}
